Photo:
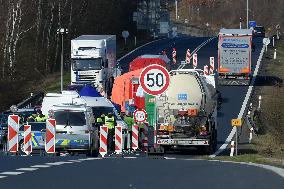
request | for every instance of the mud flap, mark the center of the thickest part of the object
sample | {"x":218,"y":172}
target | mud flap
{"x":159,"y":151}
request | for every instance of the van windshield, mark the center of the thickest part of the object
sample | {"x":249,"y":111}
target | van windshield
{"x":87,"y":64}
{"x":99,"y":110}
{"x":70,"y":118}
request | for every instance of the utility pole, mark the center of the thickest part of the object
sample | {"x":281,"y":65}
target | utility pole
{"x":61,"y":32}
{"x":176,"y":9}
{"x":247,"y":14}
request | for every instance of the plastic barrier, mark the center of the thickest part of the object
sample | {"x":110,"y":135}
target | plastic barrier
{"x":13,"y":130}
{"x":103,"y":140}
{"x":27,"y":139}
{"x":134,"y":144}
{"x":205,"y":70}
{"x":188,"y":56}
{"x":50,"y":136}
{"x":118,"y":139}
{"x":211,"y":69}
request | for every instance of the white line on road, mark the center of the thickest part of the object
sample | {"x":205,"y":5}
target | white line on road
{"x":130,"y":157}
{"x":11,"y":173}
{"x":89,"y":159}
{"x":27,"y":169}
{"x":3,"y":177}
{"x":40,"y":166}
{"x":242,"y":111}
{"x":138,"y":48}
{"x":169,"y":158}
{"x":76,"y":161}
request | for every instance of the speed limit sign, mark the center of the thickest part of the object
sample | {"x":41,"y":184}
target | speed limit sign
{"x":140,"y":116}
{"x":154,"y":79}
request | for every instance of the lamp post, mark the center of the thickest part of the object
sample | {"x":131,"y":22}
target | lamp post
{"x":247,"y":14}
{"x":62,"y":31}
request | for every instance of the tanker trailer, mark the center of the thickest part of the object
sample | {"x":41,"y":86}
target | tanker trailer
{"x":188,"y":112}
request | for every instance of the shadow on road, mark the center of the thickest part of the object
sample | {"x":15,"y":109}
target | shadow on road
{"x":268,"y":81}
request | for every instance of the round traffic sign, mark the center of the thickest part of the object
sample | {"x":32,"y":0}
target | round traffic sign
{"x":125,"y":34}
{"x":140,"y":116}
{"x":154,"y":79}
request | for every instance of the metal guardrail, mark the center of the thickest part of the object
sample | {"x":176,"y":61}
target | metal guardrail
{"x":31,"y":101}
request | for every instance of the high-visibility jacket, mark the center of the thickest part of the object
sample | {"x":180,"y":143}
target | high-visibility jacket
{"x":99,"y":120}
{"x":109,"y":122}
{"x":129,"y":121}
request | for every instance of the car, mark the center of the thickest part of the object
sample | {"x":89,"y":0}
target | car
{"x":259,"y":31}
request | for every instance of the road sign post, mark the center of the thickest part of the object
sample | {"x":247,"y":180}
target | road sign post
{"x":140,"y":116}
{"x":154,"y":80}
{"x":236,"y":123}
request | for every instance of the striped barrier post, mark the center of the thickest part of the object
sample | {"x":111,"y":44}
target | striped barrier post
{"x":50,"y":136}
{"x":145,"y":137}
{"x":27,"y":139}
{"x":118,"y":139}
{"x":211,"y":69}
{"x":134,"y":143}
{"x":13,"y":130}
{"x":174,"y":56}
{"x":103,"y":140}
{"x":194,"y":61}
{"x":188,"y":55}
{"x":205,"y":70}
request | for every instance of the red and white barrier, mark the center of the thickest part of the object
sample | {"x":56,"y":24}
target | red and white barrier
{"x":13,"y":130}
{"x":28,"y":139}
{"x":145,"y":137}
{"x":194,"y":61}
{"x":188,"y":55}
{"x":205,"y":71}
{"x":211,"y":69}
{"x":134,"y":143}
{"x":103,"y":140}
{"x":174,"y":54}
{"x":118,"y":139}
{"x":50,"y":136}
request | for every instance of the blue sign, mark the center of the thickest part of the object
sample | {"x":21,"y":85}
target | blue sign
{"x":182,"y":96}
{"x":252,"y":24}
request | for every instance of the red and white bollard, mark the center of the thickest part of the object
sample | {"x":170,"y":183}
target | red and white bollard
{"x":118,"y":139}
{"x":50,"y":136}
{"x":135,"y":134}
{"x":13,"y":130}
{"x":195,"y":61}
{"x":28,"y":139}
{"x":205,"y":71}
{"x":188,"y":55}
{"x":103,"y":140}
{"x":211,"y":69}
{"x":174,"y":54}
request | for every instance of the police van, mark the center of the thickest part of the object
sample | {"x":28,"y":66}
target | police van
{"x":75,"y":129}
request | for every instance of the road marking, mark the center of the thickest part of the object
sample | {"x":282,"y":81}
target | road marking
{"x":40,"y":166}
{"x":76,"y":161}
{"x":130,"y":157}
{"x":169,"y":158}
{"x":27,"y":169}
{"x":83,"y":159}
{"x":3,"y":177}
{"x":59,"y":163}
{"x":138,"y":49}
{"x":89,"y":159}
{"x":244,"y":105}
{"x":11,"y":173}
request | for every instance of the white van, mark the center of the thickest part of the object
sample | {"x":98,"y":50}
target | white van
{"x":75,"y":128}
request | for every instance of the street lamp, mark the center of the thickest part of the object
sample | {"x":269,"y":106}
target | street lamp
{"x":247,"y":14}
{"x":62,"y":31}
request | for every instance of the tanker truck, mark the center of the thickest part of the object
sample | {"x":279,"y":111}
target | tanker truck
{"x":188,"y":112}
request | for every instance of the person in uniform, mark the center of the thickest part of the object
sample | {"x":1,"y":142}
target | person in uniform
{"x":110,"y":123}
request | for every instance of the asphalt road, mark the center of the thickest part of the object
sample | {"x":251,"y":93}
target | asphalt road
{"x":142,"y":172}
{"x":233,"y":96}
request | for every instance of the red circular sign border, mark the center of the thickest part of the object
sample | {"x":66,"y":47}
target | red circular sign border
{"x":146,"y":115}
{"x":143,"y":73}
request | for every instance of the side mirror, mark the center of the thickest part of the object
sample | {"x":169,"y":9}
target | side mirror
{"x":106,"y":63}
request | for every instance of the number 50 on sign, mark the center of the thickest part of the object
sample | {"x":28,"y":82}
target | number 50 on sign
{"x":154,"y":79}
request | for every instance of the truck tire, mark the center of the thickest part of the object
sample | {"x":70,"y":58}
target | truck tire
{"x":21,"y":147}
{"x":211,"y":149}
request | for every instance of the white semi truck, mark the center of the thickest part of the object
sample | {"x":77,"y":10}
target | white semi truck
{"x":93,"y":59}
{"x":234,"y":56}
{"x":188,"y":112}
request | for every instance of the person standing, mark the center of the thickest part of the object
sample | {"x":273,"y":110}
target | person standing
{"x":110,"y":123}
{"x":128,"y":119}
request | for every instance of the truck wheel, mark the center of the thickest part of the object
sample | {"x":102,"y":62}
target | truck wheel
{"x":94,"y":150}
{"x":21,"y":147}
